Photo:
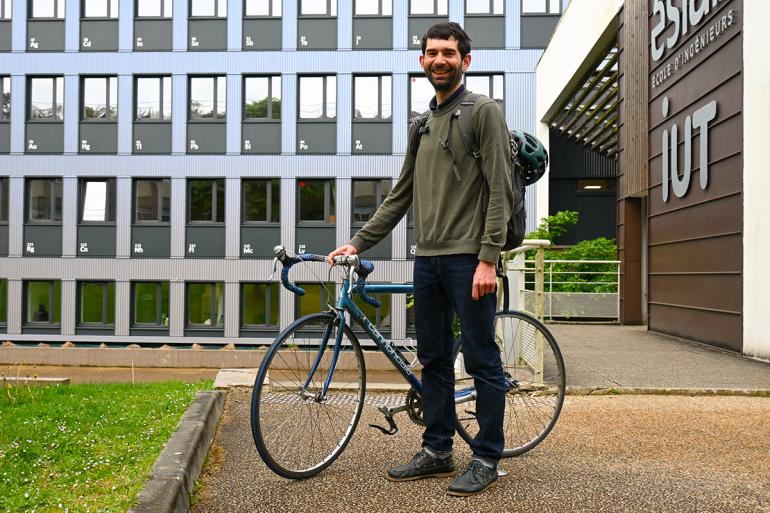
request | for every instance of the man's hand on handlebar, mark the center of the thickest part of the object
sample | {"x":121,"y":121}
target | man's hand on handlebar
{"x":347,"y":249}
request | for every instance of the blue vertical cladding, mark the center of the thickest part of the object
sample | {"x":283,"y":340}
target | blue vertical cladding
{"x":344,"y":24}
{"x":180,"y":26}
{"x":234,"y":30}
{"x":178,"y":113}
{"x":69,"y":215}
{"x":400,"y":25}
{"x":344,"y":113}
{"x":234,"y":86}
{"x":125,"y":113}
{"x":288,"y":113}
{"x":456,"y":11}
{"x":123,"y":217}
{"x":19,"y":26}
{"x":289,"y":27}
{"x":72,"y":26}
{"x":400,"y":84}
{"x":18,"y":109}
{"x":126,"y":26}
{"x":513,"y":24}
{"x":71,"y":113}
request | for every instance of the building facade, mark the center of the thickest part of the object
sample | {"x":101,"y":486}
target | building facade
{"x":153,"y":153}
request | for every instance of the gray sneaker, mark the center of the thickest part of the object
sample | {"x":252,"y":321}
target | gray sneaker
{"x":423,"y":465}
{"x":476,"y":478}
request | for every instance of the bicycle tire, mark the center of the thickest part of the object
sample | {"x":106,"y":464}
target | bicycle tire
{"x":286,"y":417}
{"x":533,"y":404}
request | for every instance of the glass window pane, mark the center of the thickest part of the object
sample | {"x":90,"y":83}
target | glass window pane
{"x":331,"y":97}
{"x":421,"y":6}
{"x":165,"y":207}
{"x":257,"y":7}
{"x":277,"y":8}
{"x":276,"y":94}
{"x":3,"y":301}
{"x":146,"y":303}
{"x":148,"y":98}
{"x":147,"y":200}
{"x":97,"y":8}
{"x":255,"y":200}
{"x":498,"y":7}
{"x":441,"y":7}
{"x":199,"y":304}
{"x":95,"y":202}
{"x":367,"y":97}
{"x":421,"y":92}
{"x":311,"y":200}
{"x":380,"y":316}
{"x":310,"y":97}
{"x":222,"y":8}
{"x":201,"y":97}
{"x":166,"y":97}
{"x":94,"y":98}
{"x":364,"y":200}
{"x":41,"y":101}
{"x":200,"y":200}
{"x":533,"y":6}
{"x":220,"y":201}
{"x":6,"y":101}
{"x":554,"y":7}
{"x":275,"y":205}
{"x":113,"y":112}
{"x":477,"y":6}
{"x":57,"y":199}
{"x":148,"y":8}
{"x":92,"y":303}
{"x":315,"y":298}
{"x":260,"y":304}
{"x":203,"y":7}
{"x":3,"y":199}
{"x":367,"y":7}
{"x":168,"y":8}
{"x":257,"y":90}
{"x":7,"y":12}
{"x":386,"y":95}
{"x":39,"y":203}
{"x":478,"y":84}
{"x":60,"y":9}
{"x":221,"y":97}
{"x":313,"y":7}
{"x":39,"y":301}
{"x":43,"y":9}
{"x":59,"y":98}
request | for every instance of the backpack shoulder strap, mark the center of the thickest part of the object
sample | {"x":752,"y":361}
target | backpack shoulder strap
{"x":468,"y":134}
{"x":416,"y":129}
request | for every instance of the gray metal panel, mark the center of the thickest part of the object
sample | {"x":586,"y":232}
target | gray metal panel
{"x":232,"y":309}
{"x":206,"y":137}
{"x":152,"y":138}
{"x":45,"y":36}
{"x":18,"y":112}
{"x":71,"y":112}
{"x":176,"y":313}
{"x":513,"y":23}
{"x":344,"y":205}
{"x":96,"y":240}
{"x":418,"y":25}
{"x":383,"y":249}
{"x":69,"y":303}
{"x":150,"y":241}
{"x":400,"y":25}
{"x":15,"y":215}
{"x":260,"y":240}
{"x":319,"y":137}
{"x":232,"y":217}
{"x":45,"y":137}
{"x":125,"y":107}
{"x":126,"y":26}
{"x":234,"y":34}
{"x":320,"y":240}
{"x":3,"y":240}
{"x":69,"y":215}
{"x":536,"y":30}
{"x":288,"y":112}
{"x":317,"y":33}
{"x":5,"y":137}
{"x":98,"y":35}
{"x":203,"y":35}
{"x":372,"y":137}
{"x":178,"y":216}
{"x":205,"y":241}
{"x":123,"y":216}
{"x":234,"y":102}
{"x":98,"y":138}
{"x":262,"y":137}
{"x":344,"y":112}
{"x":6,"y":39}
{"x":14,"y":306}
{"x":122,"y":307}
{"x":153,"y":35}
{"x":374,"y":32}
{"x":262,"y":34}
{"x":179,"y":113}
{"x":486,"y":31}
{"x":42,"y":240}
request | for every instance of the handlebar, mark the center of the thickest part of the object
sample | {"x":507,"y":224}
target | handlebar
{"x":363,"y":268}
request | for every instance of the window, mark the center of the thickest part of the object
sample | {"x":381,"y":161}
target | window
{"x":541,"y":6}
{"x":420,"y":94}
{"x":47,"y":9}
{"x":318,"y":8}
{"x":209,"y":8}
{"x":259,"y":304}
{"x":43,"y":302}
{"x":434,"y":7}
{"x":44,"y":199}
{"x":318,"y":97}
{"x":5,"y":9}
{"x":3,"y":302}
{"x":150,"y":303}
{"x":153,"y":98}
{"x":316,"y":299}
{"x":373,"y":7}
{"x":488,"y":85}
{"x":154,"y":8}
{"x":263,"y":8}
{"x":97,"y":200}
{"x":97,"y":303}
{"x":380,"y":316}
{"x":152,"y":200}
{"x":100,"y":98}
{"x":205,"y":304}
{"x":410,"y":325}
{"x":46,"y":98}
{"x":206,"y":200}
{"x":208,"y":98}
{"x":484,"y":6}
{"x":372,"y":97}
{"x":261,"y":201}
{"x":367,"y":196}
{"x":3,"y":200}
{"x":596,"y":186}
{"x":262,"y":98}
{"x":100,"y":9}
{"x":5,"y":100}
{"x":316,"y":201}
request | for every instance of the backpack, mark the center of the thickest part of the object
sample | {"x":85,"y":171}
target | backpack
{"x":516,"y":226}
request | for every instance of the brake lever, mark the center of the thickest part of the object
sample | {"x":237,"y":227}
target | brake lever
{"x":275,"y":269}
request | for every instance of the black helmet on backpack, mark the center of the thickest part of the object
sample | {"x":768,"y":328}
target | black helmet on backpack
{"x":532,"y":156}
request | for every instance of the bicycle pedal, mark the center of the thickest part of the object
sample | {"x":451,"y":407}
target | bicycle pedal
{"x":385,"y":431}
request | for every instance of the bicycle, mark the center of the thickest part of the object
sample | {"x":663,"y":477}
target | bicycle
{"x":310,"y":388}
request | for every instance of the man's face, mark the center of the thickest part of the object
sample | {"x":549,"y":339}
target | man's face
{"x":442,"y":63}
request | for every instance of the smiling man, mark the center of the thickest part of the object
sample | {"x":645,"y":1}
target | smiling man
{"x":460,"y":216}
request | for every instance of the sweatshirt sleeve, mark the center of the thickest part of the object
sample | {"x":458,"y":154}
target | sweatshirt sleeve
{"x":390,"y":212}
{"x":495,"y":151}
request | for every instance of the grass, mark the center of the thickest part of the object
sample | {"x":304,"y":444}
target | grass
{"x":84,"y":447}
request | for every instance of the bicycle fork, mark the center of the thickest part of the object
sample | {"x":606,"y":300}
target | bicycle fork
{"x":320,"y":396}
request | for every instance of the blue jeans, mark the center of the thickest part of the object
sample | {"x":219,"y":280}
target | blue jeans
{"x":442,"y":286}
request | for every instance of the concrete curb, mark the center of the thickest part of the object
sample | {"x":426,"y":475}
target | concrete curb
{"x":742,"y":392}
{"x":179,"y":464}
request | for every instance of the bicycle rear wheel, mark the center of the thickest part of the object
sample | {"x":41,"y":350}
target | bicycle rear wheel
{"x":299,"y":431}
{"x":534,"y":372}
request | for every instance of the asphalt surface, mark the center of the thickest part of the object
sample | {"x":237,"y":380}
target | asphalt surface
{"x":608,"y":453}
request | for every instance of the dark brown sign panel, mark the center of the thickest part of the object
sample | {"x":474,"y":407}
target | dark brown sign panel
{"x":695,"y":169}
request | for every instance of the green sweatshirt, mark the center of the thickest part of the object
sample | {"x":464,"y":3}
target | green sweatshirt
{"x":449,"y":211}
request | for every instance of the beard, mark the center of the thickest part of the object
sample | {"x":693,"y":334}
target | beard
{"x":448,"y":82}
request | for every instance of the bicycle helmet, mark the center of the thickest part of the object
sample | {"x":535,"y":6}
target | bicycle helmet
{"x":532,"y":156}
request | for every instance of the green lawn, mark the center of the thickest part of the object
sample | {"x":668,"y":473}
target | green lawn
{"x":84,"y":447}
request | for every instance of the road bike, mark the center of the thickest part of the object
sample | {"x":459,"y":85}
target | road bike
{"x":310,"y":389}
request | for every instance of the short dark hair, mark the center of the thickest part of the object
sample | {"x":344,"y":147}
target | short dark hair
{"x":447,"y":30}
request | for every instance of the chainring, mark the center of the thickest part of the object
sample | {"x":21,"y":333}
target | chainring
{"x":414,"y":407}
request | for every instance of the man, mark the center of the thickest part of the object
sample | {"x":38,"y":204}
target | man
{"x":459,"y":233}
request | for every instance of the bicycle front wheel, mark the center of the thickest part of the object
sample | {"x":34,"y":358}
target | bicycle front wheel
{"x":535,"y":384}
{"x":298,"y":430}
